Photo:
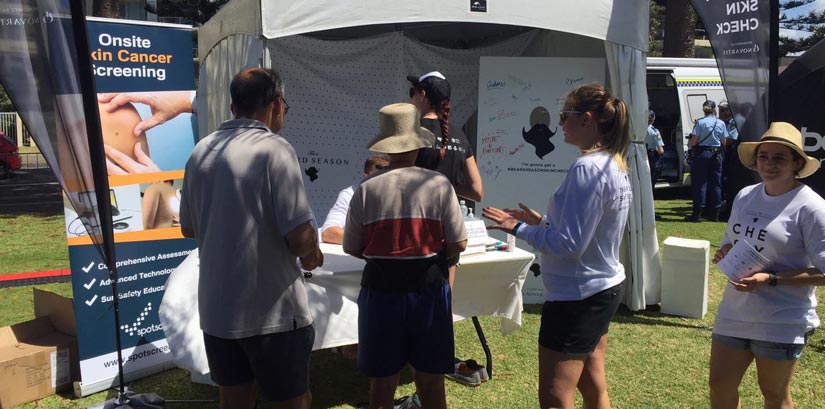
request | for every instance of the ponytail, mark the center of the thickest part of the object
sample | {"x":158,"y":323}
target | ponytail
{"x":444,"y":119}
{"x":612,"y":119}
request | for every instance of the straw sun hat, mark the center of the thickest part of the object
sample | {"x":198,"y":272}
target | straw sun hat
{"x":400,"y":130}
{"x":782,"y":133}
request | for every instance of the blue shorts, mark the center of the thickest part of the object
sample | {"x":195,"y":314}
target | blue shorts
{"x":776,"y":351}
{"x":395,"y":328}
{"x":279,"y":362}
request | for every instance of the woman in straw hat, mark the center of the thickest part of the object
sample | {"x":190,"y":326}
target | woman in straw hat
{"x":579,"y":241}
{"x":768,"y":316}
{"x":405,"y":221}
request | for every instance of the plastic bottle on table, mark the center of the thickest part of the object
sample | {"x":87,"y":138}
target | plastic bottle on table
{"x":463,"y":205}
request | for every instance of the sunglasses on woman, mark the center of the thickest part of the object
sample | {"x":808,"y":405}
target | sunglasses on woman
{"x":563,"y":115}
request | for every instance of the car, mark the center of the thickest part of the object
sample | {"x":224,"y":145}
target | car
{"x":10,"y":160}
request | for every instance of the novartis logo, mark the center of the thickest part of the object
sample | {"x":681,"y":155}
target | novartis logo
{"x":17,"y":18}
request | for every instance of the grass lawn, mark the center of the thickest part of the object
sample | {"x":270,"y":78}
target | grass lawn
{"x":654,"y":360}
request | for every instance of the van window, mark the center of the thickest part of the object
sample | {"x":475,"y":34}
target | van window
{"x":694,"y":104}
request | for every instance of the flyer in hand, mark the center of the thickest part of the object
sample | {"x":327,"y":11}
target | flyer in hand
{"x":742,"y":260}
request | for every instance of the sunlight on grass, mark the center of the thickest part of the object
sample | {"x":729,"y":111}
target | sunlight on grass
{"x":654,"y":360}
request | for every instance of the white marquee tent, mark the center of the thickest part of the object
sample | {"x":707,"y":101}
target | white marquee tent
{"x":342,"y":60}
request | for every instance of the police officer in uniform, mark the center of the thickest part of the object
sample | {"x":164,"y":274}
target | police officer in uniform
{"x":655,"y":147}
{"x":707,"y":141}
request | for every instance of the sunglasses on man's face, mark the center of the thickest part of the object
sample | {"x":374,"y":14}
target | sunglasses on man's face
{"x":563,"y":115}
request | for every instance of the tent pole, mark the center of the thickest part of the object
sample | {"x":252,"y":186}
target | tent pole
{"x":99,"y":173}
{"x":773,"y":61}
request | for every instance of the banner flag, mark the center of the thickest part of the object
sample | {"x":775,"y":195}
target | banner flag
{"x":739,"y":33}
{"x":39,"y":71}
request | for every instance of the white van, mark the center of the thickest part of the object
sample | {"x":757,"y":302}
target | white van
{"x":676,"y":89}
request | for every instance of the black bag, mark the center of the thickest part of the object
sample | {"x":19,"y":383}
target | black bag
{"x":694,"y":151}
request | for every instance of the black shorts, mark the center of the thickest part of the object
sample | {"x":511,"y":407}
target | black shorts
{"x":575,"y":327}
{"x":278,"y":362}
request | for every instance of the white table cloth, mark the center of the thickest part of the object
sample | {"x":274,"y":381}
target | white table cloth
{"x":485,"y":284}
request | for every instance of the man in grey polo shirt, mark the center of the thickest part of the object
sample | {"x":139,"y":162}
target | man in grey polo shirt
{"x":245,"y":203}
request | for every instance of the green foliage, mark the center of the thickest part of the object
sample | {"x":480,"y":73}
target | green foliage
{"x":198,"y":11}
{"x":5,"y":101}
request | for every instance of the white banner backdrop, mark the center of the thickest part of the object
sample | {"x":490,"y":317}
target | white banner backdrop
{"x":521,"y":151}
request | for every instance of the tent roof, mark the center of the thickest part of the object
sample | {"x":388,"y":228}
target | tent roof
{"x":623,"y":22}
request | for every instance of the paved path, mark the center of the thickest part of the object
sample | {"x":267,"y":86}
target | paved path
{"x":31,"y":191}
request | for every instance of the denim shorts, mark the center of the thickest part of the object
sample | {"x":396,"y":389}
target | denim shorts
{"x":776,"y":351}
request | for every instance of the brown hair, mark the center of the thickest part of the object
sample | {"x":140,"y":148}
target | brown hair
{"x":611,"y":116}
{"x":444,"y":119}
{"x":375,"y":162}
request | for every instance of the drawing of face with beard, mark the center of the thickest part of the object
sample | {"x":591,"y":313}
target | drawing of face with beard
{"x":539,"y":134}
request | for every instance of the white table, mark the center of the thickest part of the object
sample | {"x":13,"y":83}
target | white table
{"x":485,"y":284}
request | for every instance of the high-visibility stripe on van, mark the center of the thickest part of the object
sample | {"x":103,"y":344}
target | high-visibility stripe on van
{"x":699,"y":82}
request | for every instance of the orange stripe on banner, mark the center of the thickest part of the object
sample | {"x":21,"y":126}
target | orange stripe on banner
{"x":168,"y":233}
{"x":123,"y":180}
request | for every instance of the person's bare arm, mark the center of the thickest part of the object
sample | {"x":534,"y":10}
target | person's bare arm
{"x":472,"y":188}
{"x":333,"y":234}
{"x":302,"y":242}
{"x":693,"y":141}
{"x":453,"y":249}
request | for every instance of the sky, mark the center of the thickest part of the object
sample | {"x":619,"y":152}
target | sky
{"x":817,"y":5}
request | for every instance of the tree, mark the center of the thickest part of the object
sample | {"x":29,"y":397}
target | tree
{"x":106,"y":8}
{"x":199,"y":11}
{"x":809,"y":24}
{"x":680,"y":29}
{"x":5,"y":101}
{"x":656,"y":15}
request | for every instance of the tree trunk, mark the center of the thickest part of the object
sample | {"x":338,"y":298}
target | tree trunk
{"x":680,"y":24}
{"x":106,"y":8}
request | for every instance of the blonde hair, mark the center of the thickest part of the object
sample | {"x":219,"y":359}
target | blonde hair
{"x":611,"y":116}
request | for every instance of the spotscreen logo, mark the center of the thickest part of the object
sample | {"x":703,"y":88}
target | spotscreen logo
{"x":137,"y":328}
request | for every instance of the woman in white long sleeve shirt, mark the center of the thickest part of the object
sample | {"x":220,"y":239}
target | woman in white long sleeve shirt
{"x":579,"y":240}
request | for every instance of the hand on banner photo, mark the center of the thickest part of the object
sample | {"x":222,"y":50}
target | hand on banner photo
{"x":164,"y":105}
{"x":313,"y":261}
{"x":118,"y":163}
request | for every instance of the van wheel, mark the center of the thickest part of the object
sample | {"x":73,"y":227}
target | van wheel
{"x":5,"y":171}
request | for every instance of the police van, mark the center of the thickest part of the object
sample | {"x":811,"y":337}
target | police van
{"x":676,"y":89}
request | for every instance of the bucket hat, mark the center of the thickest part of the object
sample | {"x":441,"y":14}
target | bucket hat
{"x":399,"y":130}
{"x":782,"y":133}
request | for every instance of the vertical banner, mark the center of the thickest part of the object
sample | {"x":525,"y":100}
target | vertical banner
{"x":521,"y":151}
{"x":741,"y":37}
{"x":739,"y":32}
{"x":145,"y":80}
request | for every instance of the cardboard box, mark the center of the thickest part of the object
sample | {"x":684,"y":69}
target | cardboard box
{"x":39,"y":357}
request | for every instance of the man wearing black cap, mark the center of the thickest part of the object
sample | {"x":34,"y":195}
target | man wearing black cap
{"x":707,"y":142}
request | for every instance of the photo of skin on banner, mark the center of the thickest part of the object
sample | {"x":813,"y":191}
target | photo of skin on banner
{"x":161,"y":204}
{"x":127,"y":118}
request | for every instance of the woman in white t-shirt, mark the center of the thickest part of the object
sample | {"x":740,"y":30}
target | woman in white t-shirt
{"x":768,"y":316}
{"x":579,"y":240}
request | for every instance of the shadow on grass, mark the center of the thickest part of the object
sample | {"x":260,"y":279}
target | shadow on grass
{"x":650,"y":316}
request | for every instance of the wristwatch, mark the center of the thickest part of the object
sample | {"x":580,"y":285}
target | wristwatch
{"x":772,"y":279}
